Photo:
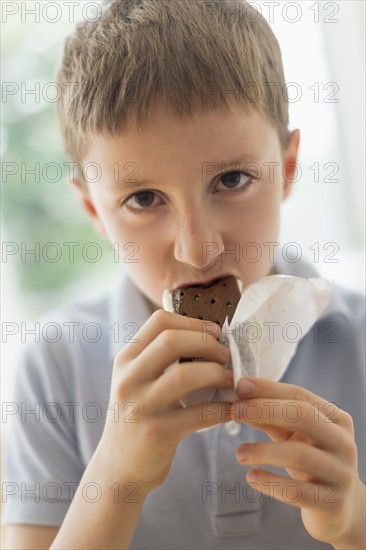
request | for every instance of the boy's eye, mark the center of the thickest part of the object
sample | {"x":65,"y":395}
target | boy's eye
{"x":141,"y":200}
{"x":233,"y":180}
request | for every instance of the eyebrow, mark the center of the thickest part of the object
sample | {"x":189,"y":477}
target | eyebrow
{"x":223,"y":165}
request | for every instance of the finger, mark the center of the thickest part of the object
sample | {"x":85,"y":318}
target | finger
{"x":293,"y":455}
{"x":301,"y":494}
{"x":281,"y":390}
{"x":275,"y":433}
{"x":293,"y":416}
{"x":161,"y":320}
{"x":186,"y":377}
{"x":182,"y":422}
{"x":169,"y":345}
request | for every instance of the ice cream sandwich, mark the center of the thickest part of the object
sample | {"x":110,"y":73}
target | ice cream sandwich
{"x":209,"y":303}
{"x":212,"y":302}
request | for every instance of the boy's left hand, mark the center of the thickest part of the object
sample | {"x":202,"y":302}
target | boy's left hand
{"x":314,"y":441}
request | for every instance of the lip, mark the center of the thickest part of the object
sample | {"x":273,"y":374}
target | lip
{"x":203,"y":282}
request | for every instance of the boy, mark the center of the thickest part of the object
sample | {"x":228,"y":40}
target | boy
{"x":177,"y":168}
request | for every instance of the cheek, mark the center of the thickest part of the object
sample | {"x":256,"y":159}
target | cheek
{"x":256,"y":219}
{"x":143,"y":249}
{"x":252,"y":227}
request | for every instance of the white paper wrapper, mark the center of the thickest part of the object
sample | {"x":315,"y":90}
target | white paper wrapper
{"x":272,"y":316}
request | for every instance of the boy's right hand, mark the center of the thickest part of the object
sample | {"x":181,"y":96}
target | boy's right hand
{"x":140,"y":446}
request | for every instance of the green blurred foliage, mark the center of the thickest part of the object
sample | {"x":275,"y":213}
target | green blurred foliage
{"x":40,"y":211}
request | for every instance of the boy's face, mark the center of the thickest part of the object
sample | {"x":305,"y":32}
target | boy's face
{"x":190,"y":223}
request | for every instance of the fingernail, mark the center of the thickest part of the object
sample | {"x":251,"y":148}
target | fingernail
{"x":252,"y":476}
{"x":246,"y":387}
{"x":243,"y":451}
{"x":216,"y":327}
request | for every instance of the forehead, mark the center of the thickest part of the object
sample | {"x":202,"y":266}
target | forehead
{"x":166,"y":140}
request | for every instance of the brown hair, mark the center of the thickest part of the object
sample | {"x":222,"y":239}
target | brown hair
{"x":196,"y":55}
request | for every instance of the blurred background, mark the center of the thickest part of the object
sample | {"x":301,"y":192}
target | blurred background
{"x":323,"y":53}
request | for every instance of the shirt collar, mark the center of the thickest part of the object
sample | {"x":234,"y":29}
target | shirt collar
{"x":128,"y":311}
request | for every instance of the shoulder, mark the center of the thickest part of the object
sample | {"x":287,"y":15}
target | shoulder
{"x":77,"y":312}
{"x":59,"y":345}
{"x":349,"y":307}
{"x":340,"y":331}
{"x":355,"y":300}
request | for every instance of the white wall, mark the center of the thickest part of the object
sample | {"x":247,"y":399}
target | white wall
{"x":323,"y":43}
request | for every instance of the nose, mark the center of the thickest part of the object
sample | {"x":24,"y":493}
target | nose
{"x":198,"y":241}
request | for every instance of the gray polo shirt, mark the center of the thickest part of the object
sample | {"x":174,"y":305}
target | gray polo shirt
{"x":61,"y":397}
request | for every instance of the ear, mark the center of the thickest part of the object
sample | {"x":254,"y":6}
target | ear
{"x":88,"y":205}
{"x":289,"y":162}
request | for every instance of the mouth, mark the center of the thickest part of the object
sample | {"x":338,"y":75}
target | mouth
{"x":205,"y":283}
